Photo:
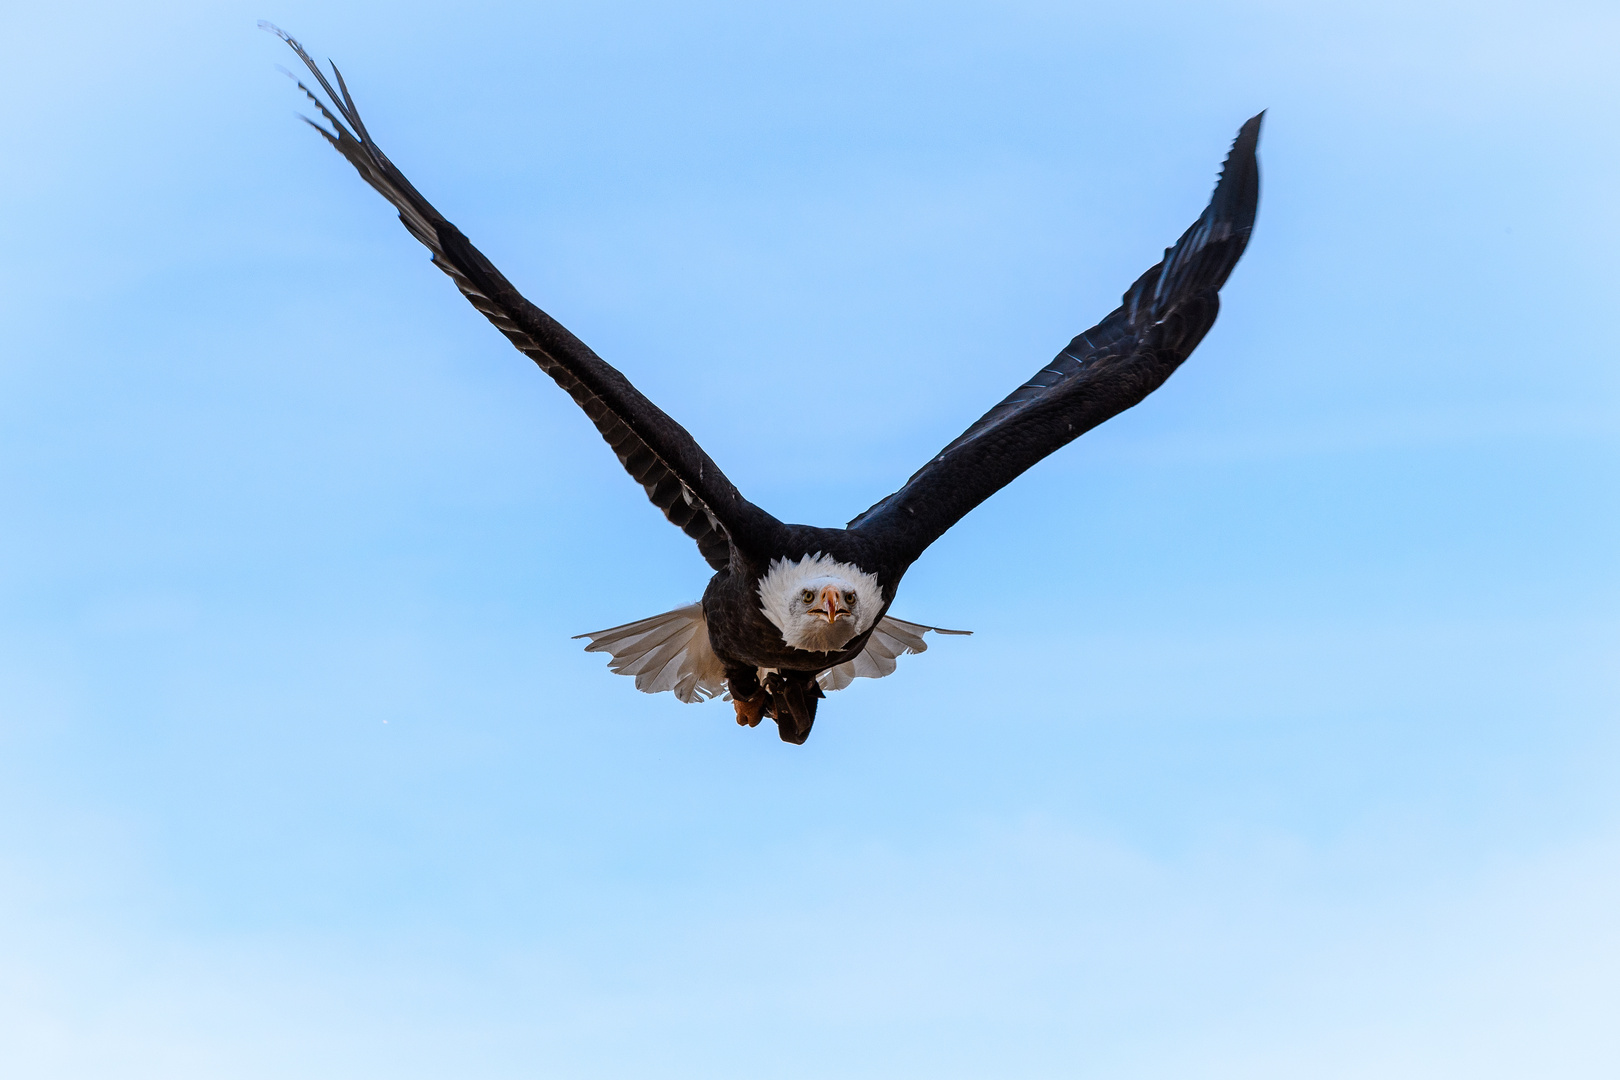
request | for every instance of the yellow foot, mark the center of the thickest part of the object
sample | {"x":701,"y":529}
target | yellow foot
{"x":750,"y":712}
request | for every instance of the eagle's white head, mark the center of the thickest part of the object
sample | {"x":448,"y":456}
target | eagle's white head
{"x":819,"y":603}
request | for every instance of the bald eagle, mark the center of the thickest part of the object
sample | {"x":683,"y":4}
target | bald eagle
{"x":793,"y":611}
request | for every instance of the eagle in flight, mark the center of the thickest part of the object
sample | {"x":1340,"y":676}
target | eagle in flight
{"x":793,"y":611}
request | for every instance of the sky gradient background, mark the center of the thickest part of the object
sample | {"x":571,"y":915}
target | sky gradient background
{"x":1287,"y":740}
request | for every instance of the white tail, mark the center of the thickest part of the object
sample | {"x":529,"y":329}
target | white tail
{"x":666,"y":652}
{"x":891,"y":639}
{"x":671,"y":652}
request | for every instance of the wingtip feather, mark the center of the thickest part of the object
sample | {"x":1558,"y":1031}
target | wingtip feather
{"x":1237,"y":192}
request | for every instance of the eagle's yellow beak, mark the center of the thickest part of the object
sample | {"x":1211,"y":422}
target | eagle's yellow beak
{"x":828,"y":608}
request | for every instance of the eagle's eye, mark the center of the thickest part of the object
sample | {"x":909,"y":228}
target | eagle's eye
{"x":807,"y":595}
{"x":849,"y":598}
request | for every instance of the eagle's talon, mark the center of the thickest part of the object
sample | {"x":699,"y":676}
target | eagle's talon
{"x":750,"y":711}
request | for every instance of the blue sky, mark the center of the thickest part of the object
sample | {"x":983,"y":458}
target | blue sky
{"x":1286,"y":742}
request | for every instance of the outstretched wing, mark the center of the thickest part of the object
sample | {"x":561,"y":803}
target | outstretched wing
{"x":1103,"y":372}
{"x":658,"y":453}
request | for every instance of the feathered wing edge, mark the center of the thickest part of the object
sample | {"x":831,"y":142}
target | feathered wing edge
{"x":1102,"y":372}
{"x":679,"y":478}
{"x":671,"y":652}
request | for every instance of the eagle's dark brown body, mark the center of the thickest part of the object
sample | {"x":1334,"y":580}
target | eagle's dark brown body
{"x":746,"y":641}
